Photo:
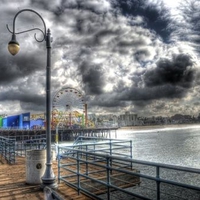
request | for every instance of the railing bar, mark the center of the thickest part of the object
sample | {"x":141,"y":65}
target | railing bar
{"x":70,"y":170}
{"x":148,"y":177}
{"x":118,"y":164}
{"x":166,"y":166}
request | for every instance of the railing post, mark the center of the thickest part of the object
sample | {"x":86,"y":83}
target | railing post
{"x":12,"y":150}
{"x":78,"y":173}
{"x":61,"y":136}
{"x":86,"y":160}
{"x":81,"y":139}
{"x":1,"y":146}
{"x":158,"y":182}
{"x":110,"y":147}
{"x":108,"y":176}
{"x":6,"y":150}
{"x":20,"y":145}
{"x":9,"y":153}
{"x":58,"y":157}
{"x":131,"y":152}
{"x":110,"y":154}
{"x":94,"y":151}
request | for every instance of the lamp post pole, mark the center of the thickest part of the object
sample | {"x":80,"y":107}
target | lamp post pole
{"x":48,"y":179}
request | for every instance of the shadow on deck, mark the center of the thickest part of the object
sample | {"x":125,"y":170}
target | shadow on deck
{"x":13,"y":184}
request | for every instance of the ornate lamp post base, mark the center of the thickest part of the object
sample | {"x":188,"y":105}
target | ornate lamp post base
{"x":49,"y":179}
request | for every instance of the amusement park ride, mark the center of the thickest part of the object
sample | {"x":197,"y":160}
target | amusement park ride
{"x":69,"y":109}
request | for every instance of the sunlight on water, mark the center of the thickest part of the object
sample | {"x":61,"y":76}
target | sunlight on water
{"x":173,"y":145}
{"x":159,"y":129}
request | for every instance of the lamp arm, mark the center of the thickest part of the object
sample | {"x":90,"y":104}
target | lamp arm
{"x":33,"y":29}
{"x":43,"y":32}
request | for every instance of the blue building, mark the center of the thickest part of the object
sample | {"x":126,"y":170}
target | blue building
{"x":11,"y":122}
{"x":23,"y":121}
{"x":4,"y":122}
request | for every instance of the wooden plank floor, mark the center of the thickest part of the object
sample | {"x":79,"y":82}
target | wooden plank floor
{"x":13,"y":186}
{"x":118,"y":179}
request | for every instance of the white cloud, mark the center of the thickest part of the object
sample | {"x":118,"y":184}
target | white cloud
{"x":97,"y":48}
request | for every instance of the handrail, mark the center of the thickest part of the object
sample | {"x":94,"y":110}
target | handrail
{"x":12,"y":146}
{"x":111,"y":146}
{"x":84,"y":158}
{"x":7,"y":149}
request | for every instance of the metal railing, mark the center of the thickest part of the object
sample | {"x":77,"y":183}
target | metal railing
{"x":117,"y":147}
{"x":7,"y":149}
{"x":22,"y":147}
{"x":26,"y":142}
{"x":12,"y":146}
{"x":156,"y":181}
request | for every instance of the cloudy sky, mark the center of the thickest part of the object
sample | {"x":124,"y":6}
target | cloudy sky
{"x":140,"y":56}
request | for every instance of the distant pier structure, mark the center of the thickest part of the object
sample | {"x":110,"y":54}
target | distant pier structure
{"x":63,"y":134}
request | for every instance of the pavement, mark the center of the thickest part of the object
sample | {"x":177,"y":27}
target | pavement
{"x":13,"y":184}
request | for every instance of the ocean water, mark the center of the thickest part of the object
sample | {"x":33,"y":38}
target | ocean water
{"x":176,"y":146}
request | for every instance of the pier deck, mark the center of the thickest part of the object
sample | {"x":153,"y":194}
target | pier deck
{"x":13,"y":186}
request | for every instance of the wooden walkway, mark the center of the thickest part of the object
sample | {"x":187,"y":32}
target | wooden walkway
{"x":13,"y":186}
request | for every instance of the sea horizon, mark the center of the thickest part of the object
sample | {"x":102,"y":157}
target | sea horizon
{"x":160,"y":127}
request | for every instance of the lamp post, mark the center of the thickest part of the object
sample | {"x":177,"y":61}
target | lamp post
{"x":48,"y":179}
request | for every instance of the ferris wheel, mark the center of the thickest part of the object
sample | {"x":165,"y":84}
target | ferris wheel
{"x":68,"y":100}
{"x":67,"y":103}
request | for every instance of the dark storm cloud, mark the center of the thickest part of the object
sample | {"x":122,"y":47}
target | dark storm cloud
{"x":123,"y":46}
{"x":139,"y":97}
{"x":51,"y":5}
{"x":156,"y":15}
{"x":92,"y":78}
{"x":109,"y":49}
{"x":28,"y":106}
{"x":98,"y":30}
{"x":30,"y":58}
{"x":97,"y":7}
{"x":19,"y":66}
{"x":189,"y":21}
{"x":152,"y":93}
{"x":169,"y":79}
{"x":142,"y":104}
{"x":100,"y":35}
{"x":177,"y":72}
{"x":196,"y":103}
{"x":13,"y":95}
{"x":106,"y":100}
{"x":147,"y":106}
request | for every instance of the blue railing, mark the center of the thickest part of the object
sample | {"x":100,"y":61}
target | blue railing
{"x":7,"y":149}
{"x":24,"y":143}
{"x":117,"y":147}
{"x":157,"y":181}
{"x":12,"y":146}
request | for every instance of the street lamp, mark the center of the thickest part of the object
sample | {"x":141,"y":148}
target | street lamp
{"x":48,"y":179}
